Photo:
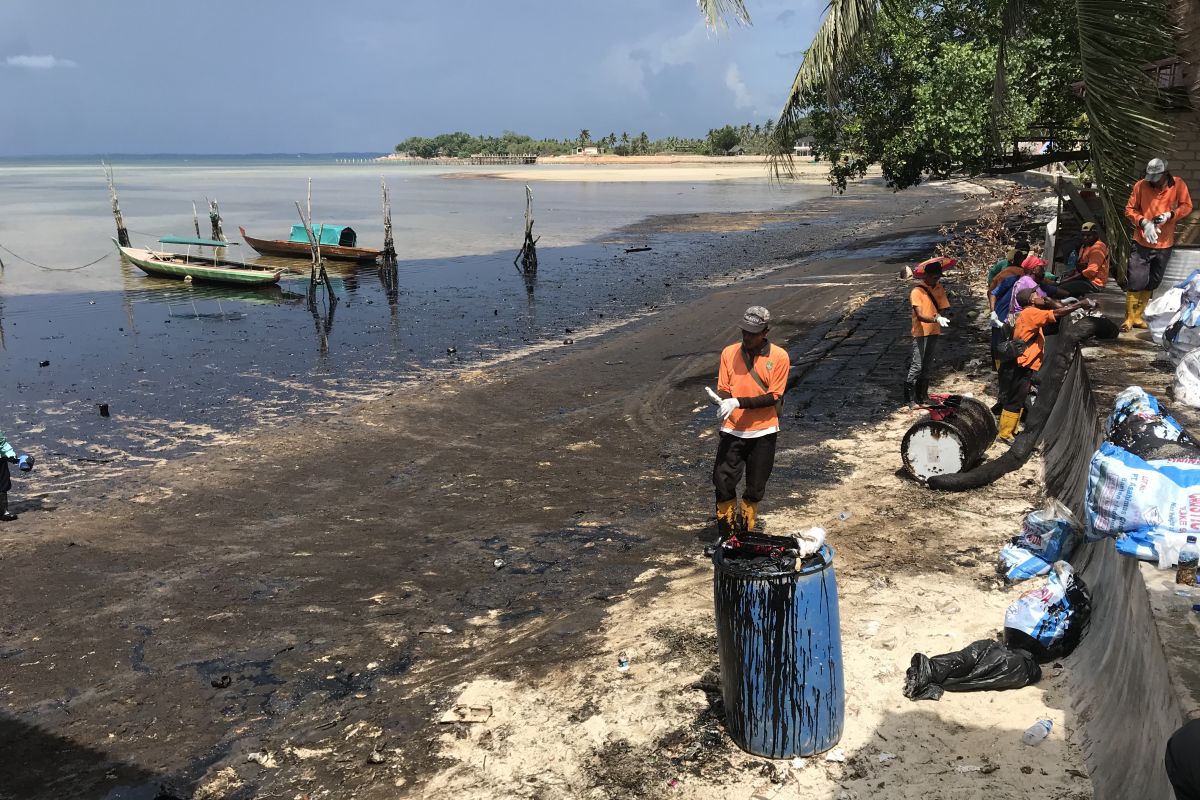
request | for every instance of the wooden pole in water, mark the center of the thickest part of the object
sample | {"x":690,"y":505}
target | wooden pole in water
{"x":195,"y":219}
{"x":122,"y":233}
{"x":528,"y":254}
{"x":389,"y":247}
{"x":214,"y":216}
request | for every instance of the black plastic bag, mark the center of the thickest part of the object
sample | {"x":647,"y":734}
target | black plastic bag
{"x":986,"y":664}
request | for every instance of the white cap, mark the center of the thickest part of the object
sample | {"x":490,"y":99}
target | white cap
{"x":1155,"y":167}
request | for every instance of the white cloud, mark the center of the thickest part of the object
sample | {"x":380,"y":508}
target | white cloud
{"x":735,"y":84}
{"x":632,"y":63}
{"x":39,"y":62}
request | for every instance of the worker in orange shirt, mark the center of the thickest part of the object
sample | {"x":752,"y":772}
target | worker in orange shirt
{"x":929,"y":307}
{"x":1037,"y":312}
{"x":1092,"y":271}
{"x":750,"y":384}
{"x":1155,"y":206}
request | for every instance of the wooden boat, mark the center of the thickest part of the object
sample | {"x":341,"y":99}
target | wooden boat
{"x":338,"y":243}
{"x":163,"y":264}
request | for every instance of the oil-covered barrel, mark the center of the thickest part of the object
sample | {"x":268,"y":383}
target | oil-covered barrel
{"x":952,"y":438}
{"x":779,"y":639}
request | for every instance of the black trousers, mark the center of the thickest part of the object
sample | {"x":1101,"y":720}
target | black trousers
{"x":1080,"y":287}
{"x":1146,"y":267}
{"x":734,"y":455}
{"x":1183,"y":761}
{"x":1014,"y":385}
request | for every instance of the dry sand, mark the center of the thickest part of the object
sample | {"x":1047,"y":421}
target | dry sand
{"x":593,"y":731}
{"x":610,"y":170}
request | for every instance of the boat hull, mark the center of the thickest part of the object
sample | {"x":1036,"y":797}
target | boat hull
{"x":168,"y":265}
{"x":286,"y":249}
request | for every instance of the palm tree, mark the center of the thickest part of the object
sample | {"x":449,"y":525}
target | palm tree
{"x":1116,"y":38}
{"x":585,"y":136}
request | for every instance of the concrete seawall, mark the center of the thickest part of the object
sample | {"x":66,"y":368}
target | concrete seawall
{"x":1123,"y":693}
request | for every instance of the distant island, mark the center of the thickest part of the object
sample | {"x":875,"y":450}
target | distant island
{"x":747,"y":139}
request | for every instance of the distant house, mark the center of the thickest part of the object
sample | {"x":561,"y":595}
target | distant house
{"x":802,"y":147}
{"x":590,"y":150}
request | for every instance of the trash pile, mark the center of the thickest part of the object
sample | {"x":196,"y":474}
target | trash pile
{"x":1174,"y":320}
{"x":1144,"y":482}
{"x":1049,"y":534}
{"x":1041,"y":625}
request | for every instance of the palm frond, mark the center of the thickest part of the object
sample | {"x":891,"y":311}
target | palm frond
{"x":844,"y":22}
{"x":1127,"y":124}
{"x":716,"y":12}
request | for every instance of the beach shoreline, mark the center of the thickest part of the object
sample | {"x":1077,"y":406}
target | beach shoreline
{"x":322,"y":591}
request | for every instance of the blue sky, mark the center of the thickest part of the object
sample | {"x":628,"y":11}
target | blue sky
{"x":160,"y":76}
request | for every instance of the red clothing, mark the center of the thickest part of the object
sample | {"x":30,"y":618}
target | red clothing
{"x":1030,"y":321}
{"x":1093,"y":263}
{"x":1146,"y":202}
{"x":772,"y":365}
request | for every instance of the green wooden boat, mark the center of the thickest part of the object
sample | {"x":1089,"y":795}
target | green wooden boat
{"x":185,"y":266}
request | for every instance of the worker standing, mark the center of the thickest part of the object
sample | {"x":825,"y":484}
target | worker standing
{"x":7,"y":455}
{"x":751,"y":380}
{"x":929,"y":306}
{"x":1155,"y":206}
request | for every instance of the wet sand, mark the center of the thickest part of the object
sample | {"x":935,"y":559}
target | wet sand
{"x":320,"y":591}
{"x":615,"y":170}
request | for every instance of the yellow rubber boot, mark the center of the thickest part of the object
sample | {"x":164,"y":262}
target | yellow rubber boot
{"x":1139,"y":321}
{"x":1008,"y":426}
{"x":1131,"y":304}
{"x":725,"y":514}
{"x":749,"y":515}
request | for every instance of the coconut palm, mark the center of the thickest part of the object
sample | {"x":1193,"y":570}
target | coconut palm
{"x":1117,"y":38}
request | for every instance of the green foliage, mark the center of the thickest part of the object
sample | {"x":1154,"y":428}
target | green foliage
{"x":754,"y":139}
{"x":917,"y":94}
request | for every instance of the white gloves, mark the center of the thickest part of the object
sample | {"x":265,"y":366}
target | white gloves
{"x":725,"y":406}
{"x":943,"y":321}
{"x":1163,"y":217}
{"x":1149,"y":231}
{"x":996,"y":321}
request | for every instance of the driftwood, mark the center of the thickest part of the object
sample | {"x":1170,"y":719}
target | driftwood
{"x":527,"y":257}
{"x":214,"y":216}
{"x":317,"y":275}
{"x":389,"y":247}
{"x":122,"y":233}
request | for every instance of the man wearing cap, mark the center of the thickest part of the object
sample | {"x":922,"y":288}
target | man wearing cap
{"x":1092,"y":271}
{"x":929,"y":304}
{"x":750,"y":384}
{"x":1155,"y":206}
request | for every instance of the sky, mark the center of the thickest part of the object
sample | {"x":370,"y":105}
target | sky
{"x":267,"y":76}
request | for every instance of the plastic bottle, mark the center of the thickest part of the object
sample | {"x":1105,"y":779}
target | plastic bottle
{"x":1037,"y":734}
{"x":1189,"y":557}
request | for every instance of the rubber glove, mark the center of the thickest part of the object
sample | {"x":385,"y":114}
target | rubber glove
{"x":1149,"y":231}
{"x":1163,"y":217}
{"x":996,"y":321}
{"x":943,"y":321}
{"x":726,"y":408}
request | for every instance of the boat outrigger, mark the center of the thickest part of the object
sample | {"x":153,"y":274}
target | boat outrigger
{"x":338,"y":243}
{"x":209,"y":269}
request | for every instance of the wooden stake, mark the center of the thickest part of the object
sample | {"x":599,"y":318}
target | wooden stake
{"x":214,"y":216}
{"x":528,"y":253}
{"x":389,"y":247}
{"x":195,"y":219}
{"x":122,"y":234}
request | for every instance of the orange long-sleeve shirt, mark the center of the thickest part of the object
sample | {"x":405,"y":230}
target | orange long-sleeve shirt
{"x":1147,"y":201}
{"x":772,"y":365}
{"x":1093,"y":263}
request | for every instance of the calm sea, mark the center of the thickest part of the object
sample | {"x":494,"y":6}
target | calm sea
{"x":182,"y":367}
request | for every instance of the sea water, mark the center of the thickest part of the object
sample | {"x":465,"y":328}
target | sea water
{"x":181,"y":366}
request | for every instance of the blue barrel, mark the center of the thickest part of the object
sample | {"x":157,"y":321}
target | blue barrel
{"x":780,"y":644}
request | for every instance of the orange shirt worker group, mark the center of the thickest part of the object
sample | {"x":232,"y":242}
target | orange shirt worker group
{"x":751,"y":380}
